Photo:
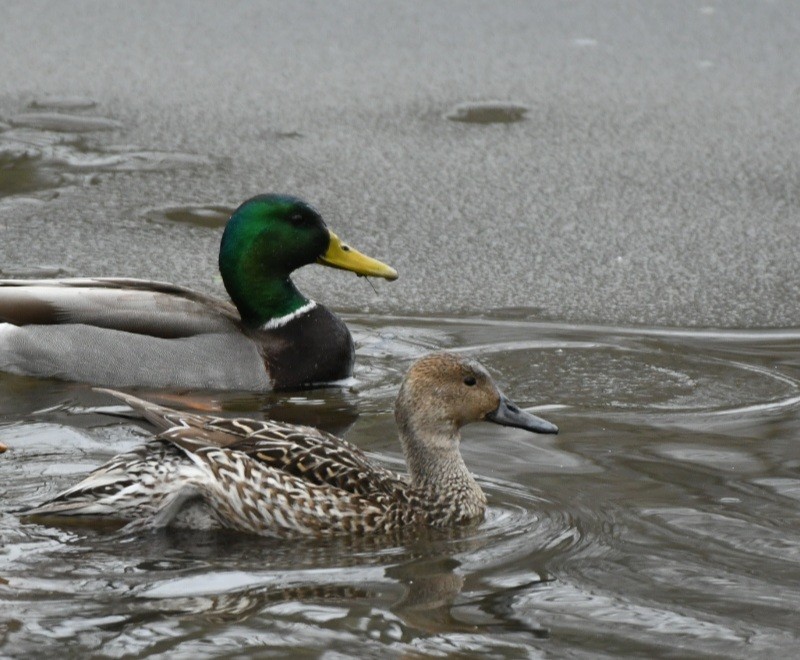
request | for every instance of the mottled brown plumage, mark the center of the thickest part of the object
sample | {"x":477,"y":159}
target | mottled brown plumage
{"x":278,"y":479}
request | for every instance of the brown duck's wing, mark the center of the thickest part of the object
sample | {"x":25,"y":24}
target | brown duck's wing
{"x":249,"y":496}
{"x":305,"y":452}
{"x":312,"y":455}
{"x":197,"y":426}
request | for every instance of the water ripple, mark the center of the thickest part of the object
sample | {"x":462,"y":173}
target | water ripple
{"x":625,"y":372}
{"x":660,"y":520}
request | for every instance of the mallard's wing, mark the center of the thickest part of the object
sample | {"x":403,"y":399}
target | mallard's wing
{"x":125,"y":332}
{"x":126,"y":304}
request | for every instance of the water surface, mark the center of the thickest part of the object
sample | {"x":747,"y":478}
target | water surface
{"x":597,"y":199}
{"x":661,"y":520}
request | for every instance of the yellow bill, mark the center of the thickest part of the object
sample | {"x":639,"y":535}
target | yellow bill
{"x":343,"y":256}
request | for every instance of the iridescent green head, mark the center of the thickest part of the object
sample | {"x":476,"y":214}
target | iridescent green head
{"x":267,"y":238}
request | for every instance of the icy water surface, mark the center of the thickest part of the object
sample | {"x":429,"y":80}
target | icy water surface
{"x":661,"y":521}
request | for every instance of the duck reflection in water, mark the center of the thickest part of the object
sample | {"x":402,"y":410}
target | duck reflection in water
{"x":421,"y":584}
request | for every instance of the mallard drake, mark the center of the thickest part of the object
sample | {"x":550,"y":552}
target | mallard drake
{"x":275,"y":479}
{"x":130,"y":332}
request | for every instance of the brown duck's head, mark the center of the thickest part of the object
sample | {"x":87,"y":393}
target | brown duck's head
{"x":443,"y":392}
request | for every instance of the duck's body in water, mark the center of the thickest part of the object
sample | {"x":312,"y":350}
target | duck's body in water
{"x":277,"y":479}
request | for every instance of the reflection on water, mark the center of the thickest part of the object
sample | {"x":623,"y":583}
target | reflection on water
{"x":661,"y":520}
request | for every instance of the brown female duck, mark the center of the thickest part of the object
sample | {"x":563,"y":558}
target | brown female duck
{"x":277,"y":479}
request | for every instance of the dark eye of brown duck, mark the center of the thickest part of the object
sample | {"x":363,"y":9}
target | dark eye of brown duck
{"x":469,"y":380}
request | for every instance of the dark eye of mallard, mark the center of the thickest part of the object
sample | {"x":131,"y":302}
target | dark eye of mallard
{"x":470,"y":381}
{"x":297,"y":219}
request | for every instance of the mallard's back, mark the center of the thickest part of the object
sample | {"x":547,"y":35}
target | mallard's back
{"x":126,"y":332}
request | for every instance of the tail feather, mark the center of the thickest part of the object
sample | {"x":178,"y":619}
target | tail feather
{"x":161,"y":417}
{"x":151,"y":482}
{"x":187,"y":429}
{"x":72,"y":507}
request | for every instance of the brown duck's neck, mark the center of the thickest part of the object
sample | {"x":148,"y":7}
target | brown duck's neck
{"x":436,"y":466}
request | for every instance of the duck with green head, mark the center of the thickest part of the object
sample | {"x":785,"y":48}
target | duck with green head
{"x":130,"y":332}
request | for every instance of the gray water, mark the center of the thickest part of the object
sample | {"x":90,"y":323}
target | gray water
{"x":599,"y":200}
{"x":661,"y":521}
